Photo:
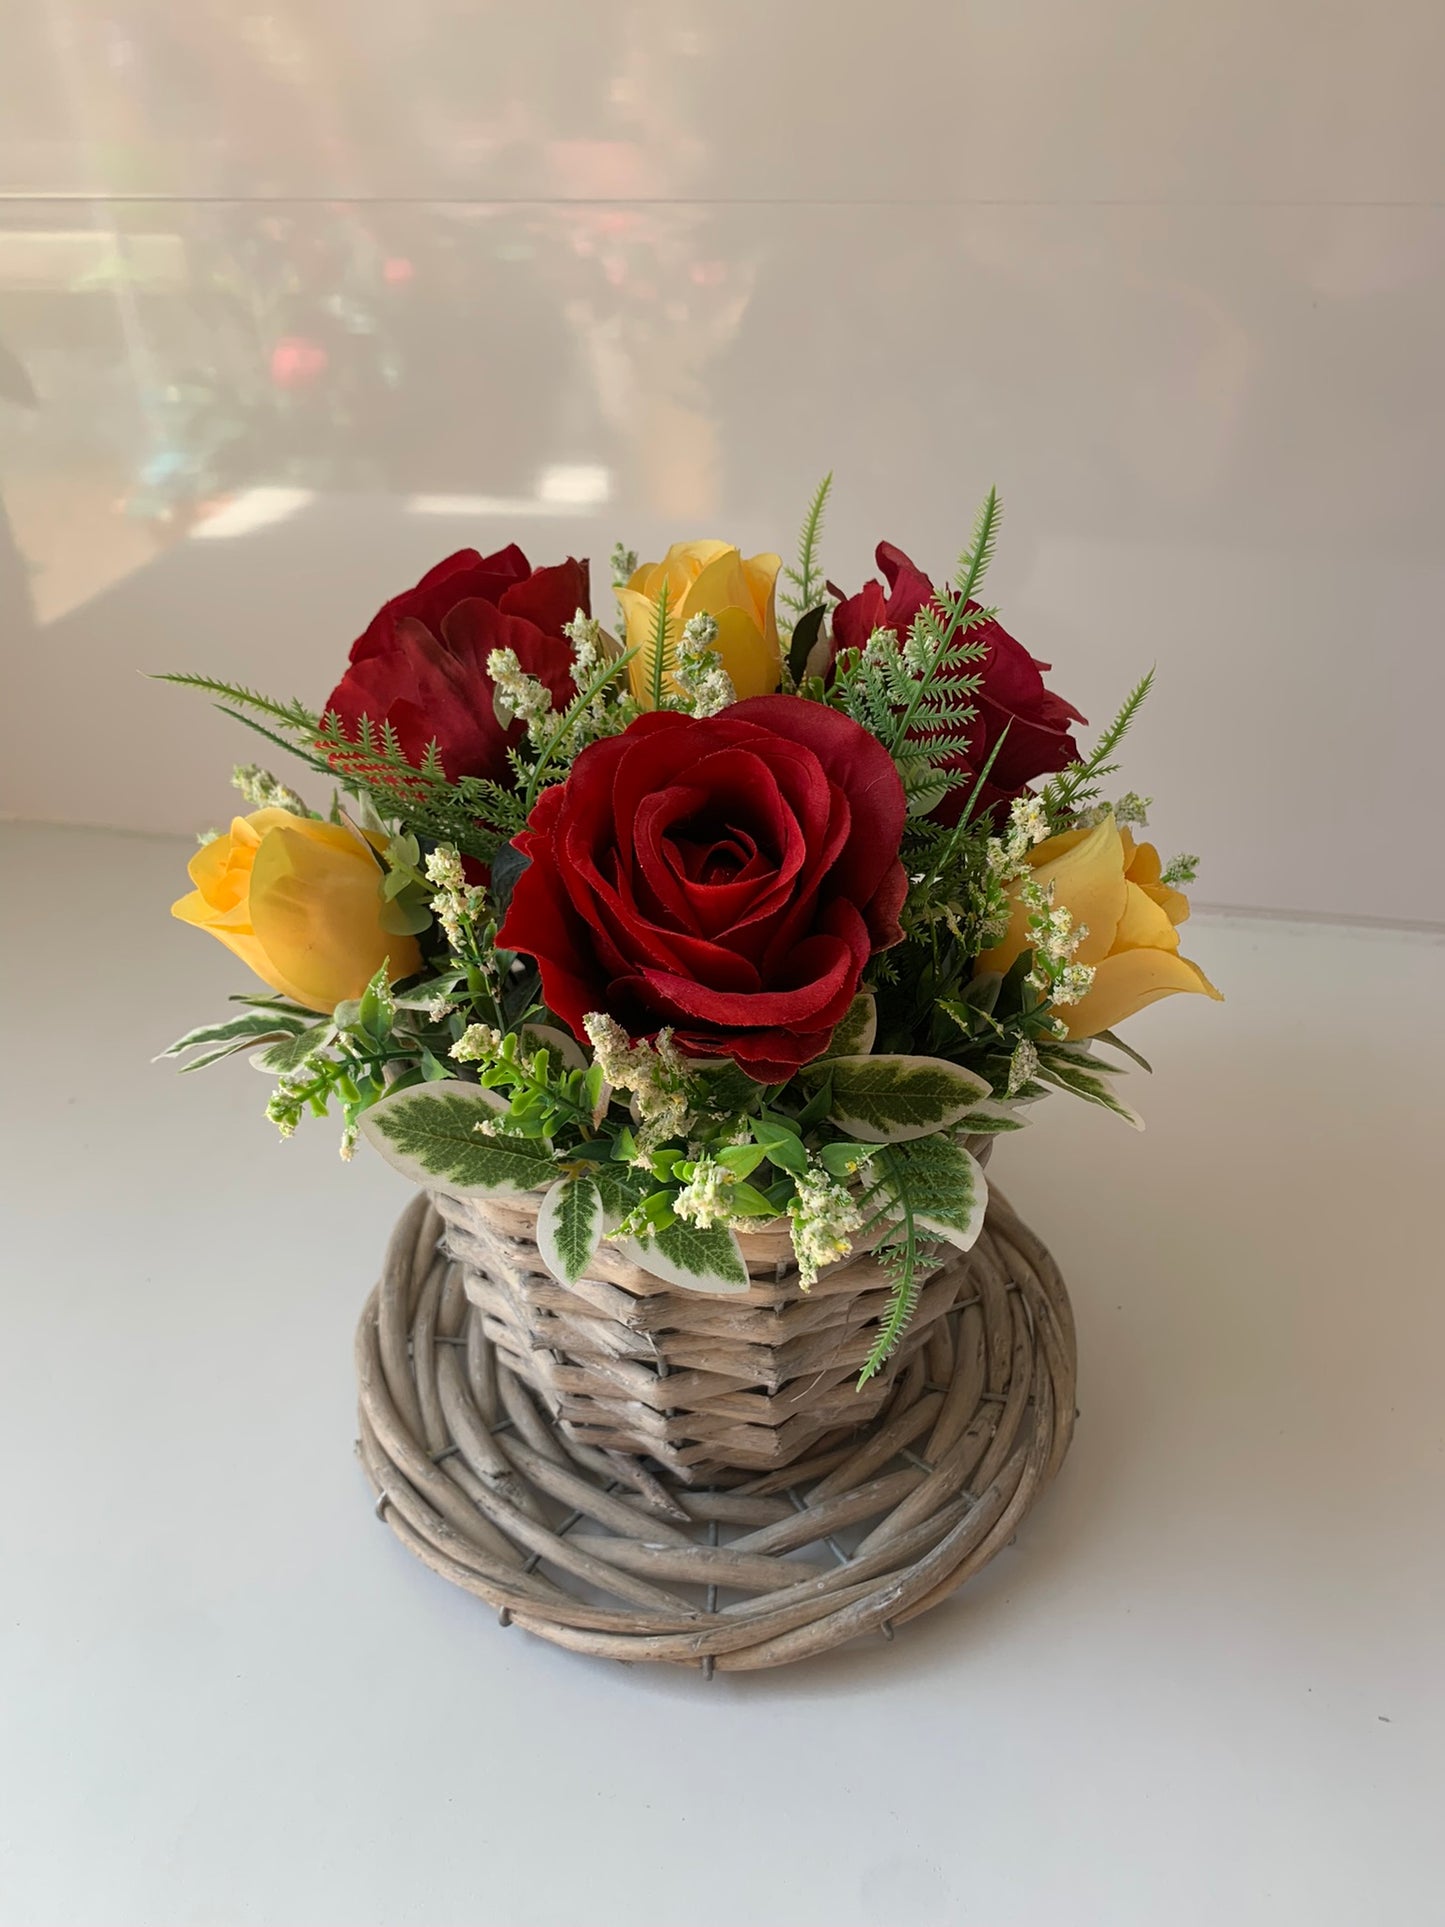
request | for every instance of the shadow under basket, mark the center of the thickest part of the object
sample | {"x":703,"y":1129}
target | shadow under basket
{"x":641,"y":1473}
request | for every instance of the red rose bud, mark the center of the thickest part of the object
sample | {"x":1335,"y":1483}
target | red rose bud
{"x":1010,"y":694}
{"x":727,"y":875}
{"x":422,"y":664}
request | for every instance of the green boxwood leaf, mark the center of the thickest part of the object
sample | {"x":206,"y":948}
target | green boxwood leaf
{"x":741,"y":1159}
{"x":884,"y":1099}
{"x":569,"y":1227}
{"x":680,"y":1254}
{"x":841,"y":1160}
{"x":783,"y":1147}
{"x":752,"y":1203}
{"x":430,"y":1135}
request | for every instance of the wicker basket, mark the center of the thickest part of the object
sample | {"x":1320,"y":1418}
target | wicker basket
{"x":647,"y":1474}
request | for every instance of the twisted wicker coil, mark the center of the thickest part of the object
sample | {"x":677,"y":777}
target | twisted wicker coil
{"x":619,"y":1554}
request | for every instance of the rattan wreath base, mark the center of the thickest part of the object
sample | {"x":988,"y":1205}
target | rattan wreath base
{"x":609,"y":1555}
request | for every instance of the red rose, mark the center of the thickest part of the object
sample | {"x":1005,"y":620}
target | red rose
{"x":422,"y":664}
{"x":1010,"y":694}
{"x":727,"y":875}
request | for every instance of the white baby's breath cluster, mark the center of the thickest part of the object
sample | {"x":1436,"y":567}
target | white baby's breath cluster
{"x":651,"y":1072}
{"x":263,"y":791}
{"x":624,"y":564}
{"x":1054,"y":938}
{"x":1021,"y":1065}
{"x":1130,"y":812}
{"x":706,"y":1198}
{"x":478,"y":1044}
{"x":457,"y":905}
{"x":824,"y":1216}
{"x":519,"y":694}
{"x":704,"y":685}
{"x":1006,"y":863}
{"x":612,"y":709}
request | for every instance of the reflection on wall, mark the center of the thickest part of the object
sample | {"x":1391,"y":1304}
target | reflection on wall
{"x":182,"y":356}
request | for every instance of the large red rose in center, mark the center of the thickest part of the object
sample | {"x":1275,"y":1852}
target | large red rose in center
{"x":727,"y":875}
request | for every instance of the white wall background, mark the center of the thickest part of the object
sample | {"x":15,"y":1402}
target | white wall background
{"x":1173,"y":276}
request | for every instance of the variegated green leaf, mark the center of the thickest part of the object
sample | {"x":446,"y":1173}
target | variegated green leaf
{"x":560,"y":1045}
{"x":430,"y":1135}
{"x":277,"y":1059}
{"x":987,"y":1120}
{"x":708,"y":1261}
{"x":854,"y":1035}
{"x":1081,"y":1077}
{"x":569,"y":1227}
{"x":420,"y":995}
{"x":941,"y":1185}
{"x":248,"y":1026}
{"x":1115,"y":1042}
{"x":884,"y":1099}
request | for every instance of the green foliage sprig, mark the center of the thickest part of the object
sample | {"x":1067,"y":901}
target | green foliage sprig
{"x":1079,"y":786}
{"x":808,"y":588}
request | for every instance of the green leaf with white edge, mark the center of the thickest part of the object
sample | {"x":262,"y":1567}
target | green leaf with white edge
{"x":942,"y":1185}
{"x":430,"y":1135}
{"x":620,"y":1187}
{"x":215,"y":1056}
{"x":291,"y":1053}
{"x":708,"y":1261}
{"x":277,"y":1003}
{"x":1071,"y":1074}
{"x":859,"y":1026}
{"x":247,"y":1027}
{"x":569,"y":1227}
{"x":1116,"y":1042}
{"x":1082,"y":1055}
{"x":987,"y":1120}
{"x":420,"y":995}
{"x":560,"y":1045}
{"x":885,"y":1099}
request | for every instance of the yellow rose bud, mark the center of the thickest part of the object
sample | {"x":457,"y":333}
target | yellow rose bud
{"x":707,"y":578}
{"x":299,"y":901}
{"x":1112,"y":885}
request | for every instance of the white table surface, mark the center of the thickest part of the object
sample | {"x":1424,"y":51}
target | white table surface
{"x":1205,"y":1686}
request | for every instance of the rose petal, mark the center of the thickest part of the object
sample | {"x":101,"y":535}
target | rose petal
{"x":1127,"y":982}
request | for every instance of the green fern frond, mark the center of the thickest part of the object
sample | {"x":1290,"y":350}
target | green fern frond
{"x":1078,"y":786}
{"x":973,"y":563}
{"x":898,"y":1255}
{"x":806,"y":578}
{"x":293,"y":715}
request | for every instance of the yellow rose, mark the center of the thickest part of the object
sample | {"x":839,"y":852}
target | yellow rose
{"x":707,"y":578}
{"x":299,"y":901}
{"x":1112,"y":885}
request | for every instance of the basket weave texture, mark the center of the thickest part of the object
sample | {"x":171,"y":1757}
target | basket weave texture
{"x":702,"y":1385}
{"x":578,"y":1529}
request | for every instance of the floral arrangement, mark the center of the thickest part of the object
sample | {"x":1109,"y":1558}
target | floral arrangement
{"x":744,"y":914}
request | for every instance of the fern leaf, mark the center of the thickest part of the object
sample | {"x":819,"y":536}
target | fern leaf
{"x":806,"y":578}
